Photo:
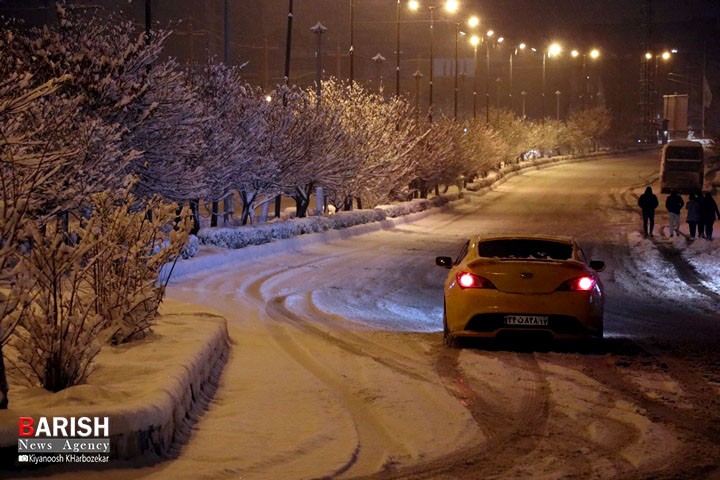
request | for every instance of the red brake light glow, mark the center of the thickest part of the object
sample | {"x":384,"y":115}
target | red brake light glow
{"x":469,"y":280}
{"x":585,"y":283}
{"x":580,"y":284}
{"x":466,"y":280}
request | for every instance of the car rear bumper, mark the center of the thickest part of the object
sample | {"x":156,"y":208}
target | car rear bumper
{"x":481,"y":313}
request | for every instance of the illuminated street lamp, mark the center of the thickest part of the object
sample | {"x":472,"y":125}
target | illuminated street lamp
{"x":594,"y":54}
{"x":665,"y":56}
{"x":450,"y":6}
{"x":553,"y":50}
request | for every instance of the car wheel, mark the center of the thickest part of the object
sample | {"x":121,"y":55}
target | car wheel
{"x":448,"y":339}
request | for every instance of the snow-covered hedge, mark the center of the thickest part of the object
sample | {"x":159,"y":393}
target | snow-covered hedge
{"x":191,"y":247}
{"x":239,"y":237}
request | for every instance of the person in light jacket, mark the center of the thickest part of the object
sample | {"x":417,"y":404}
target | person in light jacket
{"x":693,"y":215}
{"x":674,"y":204}
{"x":648,"y":202}
{"x":708,"y":213}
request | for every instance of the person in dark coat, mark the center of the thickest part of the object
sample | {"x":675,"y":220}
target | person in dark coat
{"x":674,"y":204}
{"x":708,"y":213}
{"x":693,"y":216}
{"x":648,"y":202}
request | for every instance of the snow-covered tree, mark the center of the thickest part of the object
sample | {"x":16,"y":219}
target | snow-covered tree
{"x":436,"y":156}
{"x":229,"y":115}
{"x":382,"y":135}
{"x":308,"y":145}
{"x":117,"y":82}
{"x":591,"y":126}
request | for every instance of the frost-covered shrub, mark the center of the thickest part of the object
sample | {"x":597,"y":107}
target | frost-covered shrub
{"x":56,"y":337}
{"x":135,"y":240}
{"x":191,"y":248}
{"x":239,"y":237}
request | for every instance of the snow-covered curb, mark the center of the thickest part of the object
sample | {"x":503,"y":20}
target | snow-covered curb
{"x":241,"y":237}
{"x":509,"y":170}
{"x":214,"y":258}
{"x":149,"y":395}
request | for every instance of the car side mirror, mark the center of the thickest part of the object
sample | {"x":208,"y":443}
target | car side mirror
{"x":444,"y":262}
{"x":597,"y":265}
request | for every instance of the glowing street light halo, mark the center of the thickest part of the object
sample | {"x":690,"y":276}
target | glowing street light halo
{"x":452,"y":6}
{"x":554,"y":49}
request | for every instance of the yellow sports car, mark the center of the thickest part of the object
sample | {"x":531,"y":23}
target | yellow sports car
{"x":504,"y":284}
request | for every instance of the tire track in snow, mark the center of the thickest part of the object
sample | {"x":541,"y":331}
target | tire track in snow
{"x":693,"y":459}
{"x":369,"y":429}
{"x":278,"y":310}
{"x":505,"y":435}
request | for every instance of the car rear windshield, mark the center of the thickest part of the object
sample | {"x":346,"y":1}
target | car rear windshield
{"x":525,"y":249}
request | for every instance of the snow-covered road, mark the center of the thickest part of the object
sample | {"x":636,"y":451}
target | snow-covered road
{"x":337,"y":368}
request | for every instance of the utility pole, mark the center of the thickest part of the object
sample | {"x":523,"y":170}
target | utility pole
{"x":288,"y":41}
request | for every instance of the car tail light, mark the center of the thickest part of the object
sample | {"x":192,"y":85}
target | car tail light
{"x":580,"y":284}
{"x":470,"y":280}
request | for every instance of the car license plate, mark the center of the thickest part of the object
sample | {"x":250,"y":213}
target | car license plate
{"x":527,"y":320}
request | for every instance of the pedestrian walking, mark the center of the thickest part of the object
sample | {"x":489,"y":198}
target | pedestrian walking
{"x":674,"y":204}
{"x":708,"y":213}
{"x":648,"y":202}
{"x":694,"y":220}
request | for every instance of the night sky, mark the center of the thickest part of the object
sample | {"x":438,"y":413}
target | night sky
{"x":258,"y":32}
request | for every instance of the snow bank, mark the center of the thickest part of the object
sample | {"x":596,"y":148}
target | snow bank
{"x":240,"y":237}
{"x":149,"y":388}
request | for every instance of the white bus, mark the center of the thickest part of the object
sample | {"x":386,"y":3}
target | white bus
{"x":682,"y":167}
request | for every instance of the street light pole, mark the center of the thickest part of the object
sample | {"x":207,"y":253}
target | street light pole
{"x":417,"y":76}
{"x":542,"y":94}
{"x":378,"y":59}
{"x":475,"y":40}
{"x":432,"y":22}
{"x":455,"y":105}
{"x":318,"y":29}
{"x":557,"y":108}
{"x":510,"y":83}
{"x":288,"y":41}
{"x":487,"y":77}
{"x":397,"y":53}
{"x":352,"y":45}
{"x":553,"y":50}
{"x":523,"y":94}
